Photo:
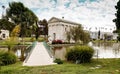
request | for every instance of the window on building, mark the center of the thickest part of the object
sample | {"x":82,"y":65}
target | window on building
{"x":3,"y":35}
{"x":54,"y":36}
{"x":96,"y":28}
{"x":65,"y":29}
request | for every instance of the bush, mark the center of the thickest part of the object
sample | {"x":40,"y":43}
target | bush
{"x":58,"y":61}
{"x":57,"y":42}
{"x":7,"y":58}
{"x":80,"y":54}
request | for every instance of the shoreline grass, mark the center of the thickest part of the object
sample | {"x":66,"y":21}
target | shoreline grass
{"x":100,"y":66}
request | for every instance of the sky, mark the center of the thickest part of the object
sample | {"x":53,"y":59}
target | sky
{"x":86,"y":12}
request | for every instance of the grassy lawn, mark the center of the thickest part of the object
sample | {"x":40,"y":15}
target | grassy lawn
{"x":26,"y":40}
{"x":30,"y":39}
{"x":110,"y":41}
{"x":106,"y":66}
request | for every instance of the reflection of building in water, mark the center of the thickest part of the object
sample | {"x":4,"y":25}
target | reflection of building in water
{"x":111,"y":51}
{"x":60,"y":53}
{"x":116,"y":48}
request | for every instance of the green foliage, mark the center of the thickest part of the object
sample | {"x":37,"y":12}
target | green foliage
{"x":15,"y":32}
{"x":68,"y":36}
{"x":118,"y":38}
{"x":117,"y":19}
{"x":101,"y":66}
{"x":6,"y":25}
{"x":11,"y":43}
{"x":7,"y":58}
{"x":77,"y":34}
{"x":81,"y":54}
{"x":21,"y":15}
{"x":58,"y":61}
{"x":117,"y":14}
{"x":32,"y":39}
{"x":44,"y":23}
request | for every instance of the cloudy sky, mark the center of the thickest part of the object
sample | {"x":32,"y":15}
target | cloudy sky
{"x":86,"y":12}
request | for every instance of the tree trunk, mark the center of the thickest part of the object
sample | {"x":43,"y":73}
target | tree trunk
{"x":22,"y":54}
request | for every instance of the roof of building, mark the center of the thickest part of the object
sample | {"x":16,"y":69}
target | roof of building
{"x":63,"y":20}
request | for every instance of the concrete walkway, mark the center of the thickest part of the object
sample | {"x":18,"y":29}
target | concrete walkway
{"x":39,"y":56}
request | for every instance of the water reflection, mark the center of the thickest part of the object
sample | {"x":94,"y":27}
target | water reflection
{"x":59,"y":52}
{"x":102,"y":50}
{"x":106,"y":50}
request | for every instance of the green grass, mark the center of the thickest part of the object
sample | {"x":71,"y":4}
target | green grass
{"x":108,"y":66}
{"x":26,"y":40}
{"x":110,"y":41}
{"x":30,"y":39}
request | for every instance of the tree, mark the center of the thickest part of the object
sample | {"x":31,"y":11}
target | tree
{"x":6,"y":25}
{"x":43,"y":28}
{"x":21,"y":15}
{"x":68,"y":36}
{"x":77,"y":34}
{"x":10,"y":42}
{"x":44,"y":22}
{"x":117,"y":19}
{"x":16,"y":31}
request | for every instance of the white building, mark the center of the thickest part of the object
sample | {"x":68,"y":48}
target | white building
{"x":4,"y":34}
{"x":106,"y":30}
{"x":57,"y":28}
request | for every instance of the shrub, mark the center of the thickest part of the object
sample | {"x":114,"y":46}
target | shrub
{"x":81,"y":54}
{"x":58,"y":61}
{"x":7,"y":58}
{"x":57,"y":42}
{"x":54,"y":42}
{"x":32,"y":39}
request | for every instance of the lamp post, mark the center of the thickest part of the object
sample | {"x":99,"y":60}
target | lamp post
{"x":3,"y":7}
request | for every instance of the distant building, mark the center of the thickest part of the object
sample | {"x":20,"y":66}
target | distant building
{"x":4,"y":34}
{"x":57,"y":29}
{"x":101,"y":32}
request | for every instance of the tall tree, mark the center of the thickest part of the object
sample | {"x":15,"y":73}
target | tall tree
{"x":6,"y":25}
{"x":43,"y":27}
{"x":117,"y":14}
{"x":44,"y":22}
{"x":21,"y":15}
{"x":117,"y":19}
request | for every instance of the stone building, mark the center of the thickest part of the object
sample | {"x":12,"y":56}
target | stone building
{"x":57,"y":29}
{"x":4,"y":34}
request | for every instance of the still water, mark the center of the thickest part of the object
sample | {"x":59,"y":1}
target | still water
{"x":102,"y":50}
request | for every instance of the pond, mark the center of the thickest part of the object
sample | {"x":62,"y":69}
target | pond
{"x":102,"y":50}
{"x":17,"y":49}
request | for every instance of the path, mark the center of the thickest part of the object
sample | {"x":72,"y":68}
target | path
{"x":39,"y":56}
